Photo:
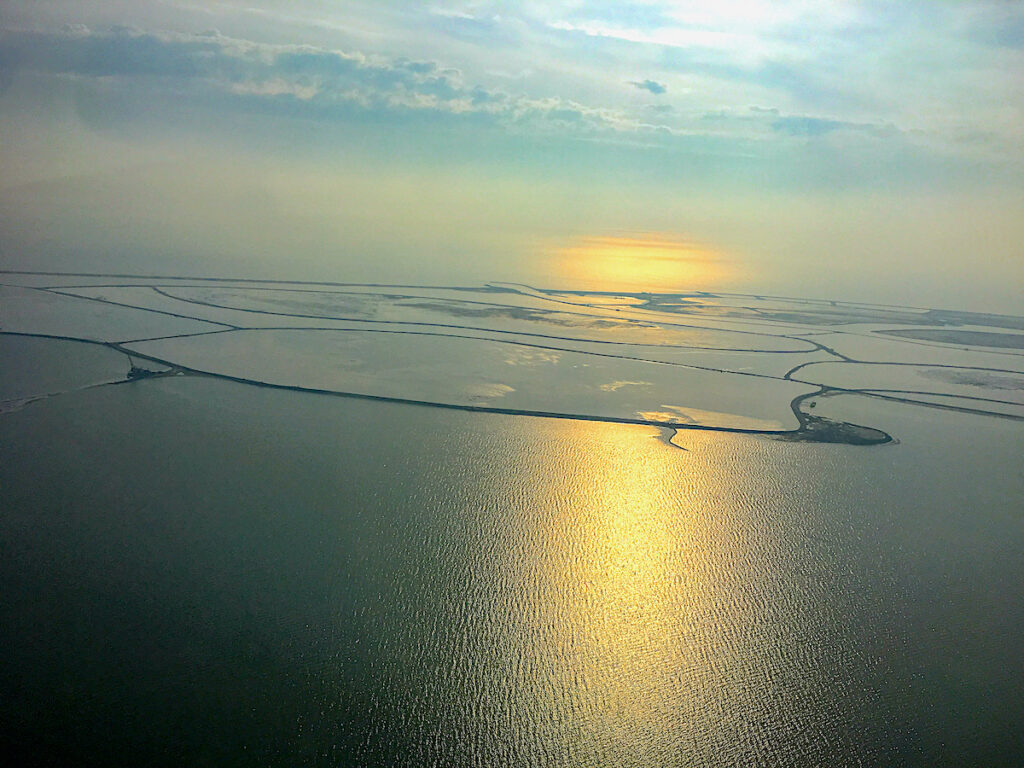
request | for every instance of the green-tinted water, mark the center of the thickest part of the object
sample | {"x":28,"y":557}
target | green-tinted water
{"x":199,"y":572}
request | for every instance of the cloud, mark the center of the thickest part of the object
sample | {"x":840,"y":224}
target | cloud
{"x":649,"y":85}
{"x":802,"y":125}
{"x":805,"y":126}
{"x":996,"y":24}
{"x":562,"y":77}
{"x":315,"y":82}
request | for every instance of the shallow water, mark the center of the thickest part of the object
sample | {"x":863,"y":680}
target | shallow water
{"x":499,"y":373}
{"x":33,"y":367}
{"x":202,"y":572}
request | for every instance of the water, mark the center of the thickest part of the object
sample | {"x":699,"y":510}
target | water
{"x":201,"y":572}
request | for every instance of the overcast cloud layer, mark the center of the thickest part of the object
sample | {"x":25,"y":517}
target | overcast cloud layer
{"x":944,"y":77}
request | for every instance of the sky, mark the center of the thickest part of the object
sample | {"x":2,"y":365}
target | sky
{"x":866,"y":151}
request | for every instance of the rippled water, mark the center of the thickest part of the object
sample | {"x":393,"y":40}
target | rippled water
{"x":200,"y":572}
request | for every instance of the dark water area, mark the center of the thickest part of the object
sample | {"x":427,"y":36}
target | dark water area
{"x":204,"y":573}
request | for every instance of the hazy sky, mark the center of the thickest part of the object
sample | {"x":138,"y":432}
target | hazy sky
{"x":863,"y":150}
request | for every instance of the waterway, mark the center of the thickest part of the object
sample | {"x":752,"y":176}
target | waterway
{"x":201,"y":572}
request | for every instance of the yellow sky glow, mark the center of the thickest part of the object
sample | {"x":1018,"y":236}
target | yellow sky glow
{"x":642,"y":262}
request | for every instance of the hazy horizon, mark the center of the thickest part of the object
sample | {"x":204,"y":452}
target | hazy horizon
{"x":860,"y":152}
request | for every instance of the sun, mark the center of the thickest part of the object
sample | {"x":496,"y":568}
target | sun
{"x":656,"y":262}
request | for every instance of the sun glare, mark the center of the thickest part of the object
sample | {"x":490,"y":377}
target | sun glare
{"x":641,"y":262}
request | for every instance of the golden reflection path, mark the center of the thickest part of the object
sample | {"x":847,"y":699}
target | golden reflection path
{"x":623,"y":603}
{"x":621,"y":616}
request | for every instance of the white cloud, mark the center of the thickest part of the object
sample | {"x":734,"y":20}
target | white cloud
{"x":941,"y":79}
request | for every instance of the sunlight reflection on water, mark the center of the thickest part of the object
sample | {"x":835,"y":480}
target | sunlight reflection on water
{"x":617,"y":615}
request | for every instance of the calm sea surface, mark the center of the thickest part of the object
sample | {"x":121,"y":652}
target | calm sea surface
{"x":202,"y":573}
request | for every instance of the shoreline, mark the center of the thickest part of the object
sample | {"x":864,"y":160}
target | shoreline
{"x":812,"y":429}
